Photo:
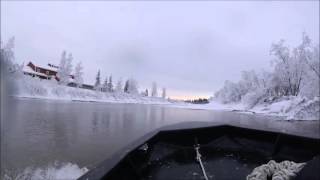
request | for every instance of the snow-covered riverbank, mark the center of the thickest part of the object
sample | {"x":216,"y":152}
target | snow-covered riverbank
{"x":27,"y":87}
{"x":291,"y":108}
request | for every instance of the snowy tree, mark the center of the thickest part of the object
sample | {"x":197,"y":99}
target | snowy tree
{"x":163,"y":93}
{"x":309,"y":54}
{"x":61,"y":71}
{"x":110,"y":85}
{"x":133,"y":86}
{"x":7,"y":52}
{"x":126,"y":86}
{"x":65,"y":68}
{"x":144,"y":93}
{"x":314,"y":61}
{"x":291,"y":66}
{"x":119,"y":85}
{"x":229,"y":93}
{"x":78,"y":75}
{"x":154,"y":92}
{"x":69,"y":65}
{"x":105,"y":85}
{"x":250,"y":80}
{"x":97,"y":84}
{"x":8,"y":58}
{"x":296,"y":66}
{"x":296,"y":72}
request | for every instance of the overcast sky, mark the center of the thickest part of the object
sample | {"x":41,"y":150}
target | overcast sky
{"x":189,"y":47}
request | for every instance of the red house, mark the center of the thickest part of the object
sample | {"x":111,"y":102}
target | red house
{"x":47,"y":71}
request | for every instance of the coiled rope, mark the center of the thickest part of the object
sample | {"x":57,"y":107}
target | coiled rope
{"x":277,"y":171}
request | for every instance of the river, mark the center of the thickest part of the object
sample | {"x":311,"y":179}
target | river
{"x":37,"y":133}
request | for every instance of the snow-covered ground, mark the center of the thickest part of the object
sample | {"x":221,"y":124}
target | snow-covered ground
{"x":292,"y":108}
{"x":28,"y":87}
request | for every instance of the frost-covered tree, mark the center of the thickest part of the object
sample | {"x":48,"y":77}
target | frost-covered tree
{"x":61,"y":70}
{"x":8,"y":67}
{"x":314,"y":61}
{"x":78,"y":75}
{"x":309,"y":54}
{"x":105,"y":85}
{"x":7,"y":51}
{"x":296,"y":72}
{"x":133,"y":86}
{"x":154,"y":92}
{"x":69,"y":65}
{"x":229,"y":93}
{"x":126,"y":86}
{"x":164,"y":93}
{"x":282,"y":67}
{"x":110,"y":85}
{"x":65,"y":68}
{"x":144,"y":93}
{"x":97,"y":84}
{"x":8,"y":58}
{"x":250,"y":80}
{"x":290,"y":66}
{"x":119,"y":85}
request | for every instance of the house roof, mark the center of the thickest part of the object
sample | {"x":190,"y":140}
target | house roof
{"x":28,"y":69}
{"x":49,"y":66}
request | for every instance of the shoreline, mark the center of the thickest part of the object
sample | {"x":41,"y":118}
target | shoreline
{"x":212,"y":106}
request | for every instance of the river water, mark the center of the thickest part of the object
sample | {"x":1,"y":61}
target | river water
{"x":37,"y":133}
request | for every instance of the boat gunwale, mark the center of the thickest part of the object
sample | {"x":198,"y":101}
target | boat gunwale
{"x":107,"y":165}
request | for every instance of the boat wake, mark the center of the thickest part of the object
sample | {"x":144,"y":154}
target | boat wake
{"x":50,"y":172}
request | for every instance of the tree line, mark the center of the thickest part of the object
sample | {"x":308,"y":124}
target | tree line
{"x":296,"y":73}
{"x":130,"y":86}
{"x":198,"y":101}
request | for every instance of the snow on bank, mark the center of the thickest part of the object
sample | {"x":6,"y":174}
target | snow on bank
{"x":292,"y":108}
{"x":29,"y":87}
{"x":54,"y":171}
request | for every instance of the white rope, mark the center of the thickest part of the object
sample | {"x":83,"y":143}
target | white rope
{"x":198,"y":157}
{"x":278,"y":171}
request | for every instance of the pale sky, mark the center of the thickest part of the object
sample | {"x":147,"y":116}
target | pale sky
{"x":189,"y":47}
